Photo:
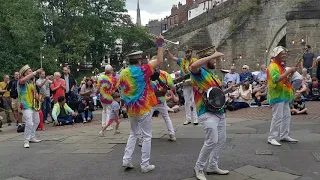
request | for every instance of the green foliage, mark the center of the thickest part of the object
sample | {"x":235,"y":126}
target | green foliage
{"x":244,"y":10}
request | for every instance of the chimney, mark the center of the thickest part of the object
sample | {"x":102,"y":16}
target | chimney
{"x":179,"y":5}
{"x":174,"y":9}
{"x":189,"y":3}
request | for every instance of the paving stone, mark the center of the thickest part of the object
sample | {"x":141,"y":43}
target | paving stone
{"x":17,"y":178}
{"x":47,"y":151}
{"x":275,"y":175}
{"x":72,"y":140}
{"x":250,"y":170}
{"x":264,"y":152}
{"x":82,"y":151}
{"x":241,"y":130}
{"x":316,"y":155}
{"x":100,"y":151}
{"x":231,"y":176}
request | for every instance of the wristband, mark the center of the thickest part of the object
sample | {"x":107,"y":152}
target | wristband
{"x":160,"y":44}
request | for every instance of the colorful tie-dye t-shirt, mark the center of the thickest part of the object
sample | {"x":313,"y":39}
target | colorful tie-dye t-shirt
{"x":107,"y":85}
{"x":166,"y":79}
{"x":202,"y":81}
{"x":184,"y":65}
{"x":26,"y":95}
{"x":136,"y":89}
{"x":281,"y":91}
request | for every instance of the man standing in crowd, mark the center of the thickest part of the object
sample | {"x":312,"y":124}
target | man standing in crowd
{"x":184,"y":64}
{"x":70,"y":82}
{"x":6,"y":99}
{"x":27,"y":93}
{"x":44,"y":85}
{"x":107,"y":84}
{"x":232,"y":76}
{"x":309,"y":60}
{"x":280,"y":93}
{"x":139,"y":99}
{"x":13,"y":85}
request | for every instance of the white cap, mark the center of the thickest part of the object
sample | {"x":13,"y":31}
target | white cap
{"x":108,"y":67}
{"x":277,"y":50}
{"x":245,"y":66}
{"x":318,"y":57}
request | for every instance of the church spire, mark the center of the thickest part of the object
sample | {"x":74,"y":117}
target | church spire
{"x":138,"y":15}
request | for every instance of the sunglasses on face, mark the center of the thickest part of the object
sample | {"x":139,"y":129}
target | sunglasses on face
{"x":262,"y":81}
{"x":244,"y":68}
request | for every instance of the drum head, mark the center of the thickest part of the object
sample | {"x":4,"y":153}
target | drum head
{"x":216,"y":97}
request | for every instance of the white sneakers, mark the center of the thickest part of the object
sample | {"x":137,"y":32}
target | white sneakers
{"x":109,"y":128}
{"x":195,"y":122}
{"x":199,"y":174}
{"x":127,"y":165}
{"x":187,"y":122}
{"x":32,"y":140}
{"x":172,"y":138}
{"x":26,"y":144}
{"x":147,"y":169}
{"x":274,"y":142}
{"x":217,"y":171}
{"x":101,"y":133}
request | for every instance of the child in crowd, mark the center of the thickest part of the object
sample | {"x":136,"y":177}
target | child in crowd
{"x":85,"y":109}
{"x":314,"y":94}
{"x":298,"y":105}
{"x":114,"y":115}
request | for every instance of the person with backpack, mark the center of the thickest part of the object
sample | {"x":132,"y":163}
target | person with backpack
{"x":12,"y":87}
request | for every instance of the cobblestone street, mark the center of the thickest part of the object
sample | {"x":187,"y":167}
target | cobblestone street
{"x":77,"y":152}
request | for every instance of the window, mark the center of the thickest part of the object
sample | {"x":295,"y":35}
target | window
{"x":189,"y":13}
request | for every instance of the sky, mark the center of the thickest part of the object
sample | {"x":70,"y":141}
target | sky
{"x":151,"y":9}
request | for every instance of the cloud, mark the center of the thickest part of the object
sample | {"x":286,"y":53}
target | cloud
{"x":151,"y":9}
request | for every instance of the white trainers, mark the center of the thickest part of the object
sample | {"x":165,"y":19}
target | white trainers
{"x":101,"y":133}
{"x":147,"y":169}
{"x":195,"y":122}
{"x":109,"y":128}
{"x":34,"y":140}
{"x":127,"y":165}
{"x":26,"y":144}
{"x":289,"y":139}
{"x":187,"y":122}
{"x":274,"y":142}
{"x":172,"y":138}
{"x":217,"y":171}
{"x":199,"y":174}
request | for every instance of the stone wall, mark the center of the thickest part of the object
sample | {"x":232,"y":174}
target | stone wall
{"x":253,"y":40}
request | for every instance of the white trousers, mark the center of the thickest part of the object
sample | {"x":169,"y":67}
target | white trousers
{"x":143,"y":123}
{"x":105,"y":113}
{"x":215,"y":136}
{"x":188,"y":102}
{"x":280,"y":123}
{"x":31,"y":119}
{"x":94,"y":98}
{"x":163,"y":110}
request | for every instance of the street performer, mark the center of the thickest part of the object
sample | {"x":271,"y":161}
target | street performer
{"x":184,"y":64}
{"x":139,"y":98}
{"x":214,"y":123}
{"x":160,"y":87}
{"x":27,"y":93}
{"x":280,"y":93}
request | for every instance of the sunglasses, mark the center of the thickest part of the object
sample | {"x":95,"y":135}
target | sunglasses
{"x":262,"y":81}
{"x":244,"y":68}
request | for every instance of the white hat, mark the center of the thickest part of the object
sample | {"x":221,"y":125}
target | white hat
{"x":318,"y":57}
{"x":277,"y":50}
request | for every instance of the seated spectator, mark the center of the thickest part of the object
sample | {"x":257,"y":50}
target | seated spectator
{"x":232,"y":98}
{"x":306,"y":77}
{"x":298,"y":106}
{"x":314,"y":94}
{"x":303,"y":90}
{"x":262,"y":73}
{"x":85,"y":109}
{"x":62,"y":114}
{"x":260,"y":91}
{"x":246,"y":75}
{"x":232,"y":76}
{"x":245,"y":93}
{"x":172,"y":101}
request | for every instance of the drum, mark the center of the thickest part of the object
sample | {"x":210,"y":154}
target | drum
{"x":214,"y":99}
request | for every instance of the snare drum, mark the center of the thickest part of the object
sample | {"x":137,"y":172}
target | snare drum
{"x":214,"y":99}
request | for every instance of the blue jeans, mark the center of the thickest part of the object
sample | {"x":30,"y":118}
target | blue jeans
{"x":86,"y":115}
{"x":66,"y":119}
{"x":46,"y":107}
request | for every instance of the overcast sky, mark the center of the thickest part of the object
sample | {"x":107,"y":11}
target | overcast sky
{"x":151,"y":9}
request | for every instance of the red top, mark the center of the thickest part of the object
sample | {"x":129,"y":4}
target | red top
{"x":60,"y":91}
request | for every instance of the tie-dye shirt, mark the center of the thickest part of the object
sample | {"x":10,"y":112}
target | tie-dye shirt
{"x":166,"y":79}
{"x":281,"y":91}
{"x":184,"y":65}
{"x":107,"y":85}
{"x":202,"y":81}
{"x":136,"y":89}
{"x":26,"y":95}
